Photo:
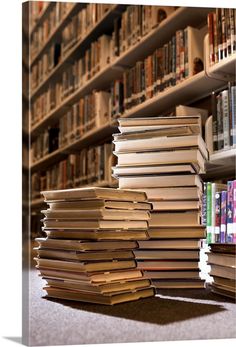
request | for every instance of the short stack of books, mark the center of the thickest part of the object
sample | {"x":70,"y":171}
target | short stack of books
{"x":222,"y":261}
{"x":163,"y":157}
{"x":88,"y":252}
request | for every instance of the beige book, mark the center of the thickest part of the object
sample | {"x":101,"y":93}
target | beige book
{"x":175,"y":219}
{"x":177,"y":274}
{"x":147,"y":121}
{"x":163,"y":157}
{"x":222,"y":259}
{"x":93,"y":193}
{"x":79,"y":245}
{"x":98,"y":298}
{"x":223,"y":271}
{"x":179,"y":284}
{"x":98,"y":204}
{"x":160,"y":181}
{"x":88,"y":224}
{"x":93,"y":278}
{"x":175,"y":205}
{"x":175,"y":193}
{"x":160,"y":143}
{"x":119,"y":171}
{"x":97,"y":214}
{"x":85,"y":267}
{"x":167,"y":265}
{"x":225,"y":282}
{"x":165,"y":254}
{"x":101,"y":288}
{"x":82,"y":256}
{"x":170,"y":244}
{"x":177,"y":233}
{"x":223,"y":291}
{"x":97,"y":235}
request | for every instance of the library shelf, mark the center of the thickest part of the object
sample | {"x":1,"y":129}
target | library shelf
{"x":104,"y":25}
{"x":61,"y":25}
{"x":91,"y":137}
{"x":179,"y":19}
{"x":36,"y":203}
{"x":43,"y":15}
{"x":225,"y":69}
{"x":221,"y":163}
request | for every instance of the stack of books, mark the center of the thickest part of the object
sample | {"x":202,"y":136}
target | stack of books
{"x":221,"y":259}
{"x":163,"y":156}
{"x":88,"y":252}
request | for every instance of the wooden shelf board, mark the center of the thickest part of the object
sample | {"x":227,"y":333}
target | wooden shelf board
{"x":93,"y":136}
{"x":61,"y":25}
{"x":224,"y":67}
{"x":42,"y":16}
{"x":104,"y":25}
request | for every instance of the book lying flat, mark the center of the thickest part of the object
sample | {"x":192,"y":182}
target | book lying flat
{"x":167,"y":265}
{"x":160,"y":143}
{"x":102,"y":288}
{"x":135,"y":215}
{"x":176,"y":274}
{"x":95,"y":224}
{"x":175,"y":205}
{"x":119,"y":171}
{"x":225,"y":282}
{"x":80,"y":245}
{"x":222,"y":259}
{"x":183,"y":156}
{"x":229,"y":248}
{"x":223,"y":271}
{"x":228,"y":289}
{"x":94,"y":278}
{"x":223,"y":292}
{"x":175,"y":219}
{"x":160,"y":181}
{"x":83,"y":266}
{"x":177,"y":233}
{"x":175,"y":193}
{"x":165,"y":254}
{"x":176,"y":284}
{"x":93,"y":193}
{"x":170,"y":244}
{"x":99,"y":298}
{"x":99,"y":204}
{"x":83,"y":256}
{"x":150,"y":121}
{"x":164,"y":130}
{"x":97,"y":235}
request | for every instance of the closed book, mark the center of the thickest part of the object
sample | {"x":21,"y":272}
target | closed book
{"x":141,"y":254}
{"x":175,"y":205}
{"x":179,"y":284}
{"x":217,"y":216}
{"x":223,"y":291}
{"x":229,"y":212}
{"x":223,"y":271}
{"x":223,"y":259}
{"x":167,"y":265}
{"x":173,"y":193}
{"x":209,"y":213}
{"x":164,"y":219}
{"x":125,"y":123}
{"x":215,"y":187}
{"x":172,"y":274}
{"x":223,"y":216}
{"x":177,"y":233}
{"x":234,"y":211}
{"x":170,"y":244}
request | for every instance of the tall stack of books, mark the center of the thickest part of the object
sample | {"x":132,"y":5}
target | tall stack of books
{"x":221,"y":259}
{"x":163,"y":156}
{"x":88,"y":252}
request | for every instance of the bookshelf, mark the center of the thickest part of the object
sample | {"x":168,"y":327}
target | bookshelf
{"x":41,"y":16}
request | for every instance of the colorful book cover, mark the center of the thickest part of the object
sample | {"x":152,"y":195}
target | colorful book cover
{"x":209,"y":214}
{"x":229,"y":232}
{"x":223,"y":218}
{"x":234,"y":211}
{"x":204,"y":205}
{"x":217,"y":216}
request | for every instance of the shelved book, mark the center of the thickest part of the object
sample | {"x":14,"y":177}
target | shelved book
{"x":219,"y":211}
{"x":90,"y":257}
{"x":222,"y":261}
{"x":163,"y":156}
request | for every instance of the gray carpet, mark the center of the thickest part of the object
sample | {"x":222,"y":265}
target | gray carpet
{"x":172,"y":315}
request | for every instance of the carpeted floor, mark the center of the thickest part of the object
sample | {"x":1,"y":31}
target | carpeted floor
{"x":172,"y":315}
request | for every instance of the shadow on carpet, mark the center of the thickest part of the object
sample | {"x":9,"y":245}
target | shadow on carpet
{"x":153,"y":310}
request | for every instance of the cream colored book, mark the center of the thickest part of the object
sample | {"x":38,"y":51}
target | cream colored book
{"x":141,"y":254}
{"x":167,"y":265}
{"x":173,"y":193}
{"x":93,"y":193}
{"x":179,"y":284}
{"x":67,"y":294}
{"x":170,"y":274}
{"x":223,"y":271}
{"x":97,"y":214}
{"x":177,"y":233}
{"x":222,"y":259}
{"x":160,"y":181}
{"x":170,"y":244}
{"x":119,"y":171}
{"x":183,"y":156}
{"x":160,"y":143}
{"x":151,"y":121}
{"x":175,"y":219}
{"x":175,"y":205}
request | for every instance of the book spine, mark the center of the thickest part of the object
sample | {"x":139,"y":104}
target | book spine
{"x":234,"y":211}
{"x":209,"y":214}
{"x":229,"y":230}
{"x":220,"y":132}
{"x":225,"y":113}
{"x":204,"y":205}
{"x":214,"y":121}
{"x":210,"y":23}
{"x":217,"y":216}
{"x":233,"y":115}
{"x":223,"y":219}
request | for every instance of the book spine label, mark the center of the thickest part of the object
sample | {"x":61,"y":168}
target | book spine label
{"x":217,"y":216}
{"x":225,"y":113}
{"x":229,"y":230}
{"x":209,"y":214}
{"x":234,"y":211}
{"x":223,"y":218}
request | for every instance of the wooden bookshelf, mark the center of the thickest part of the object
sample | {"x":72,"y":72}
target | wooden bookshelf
{"x":93,"y":136}
{"x":42,"y":16}
{"x":106,"y":23}
{"x":73,"y":10}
